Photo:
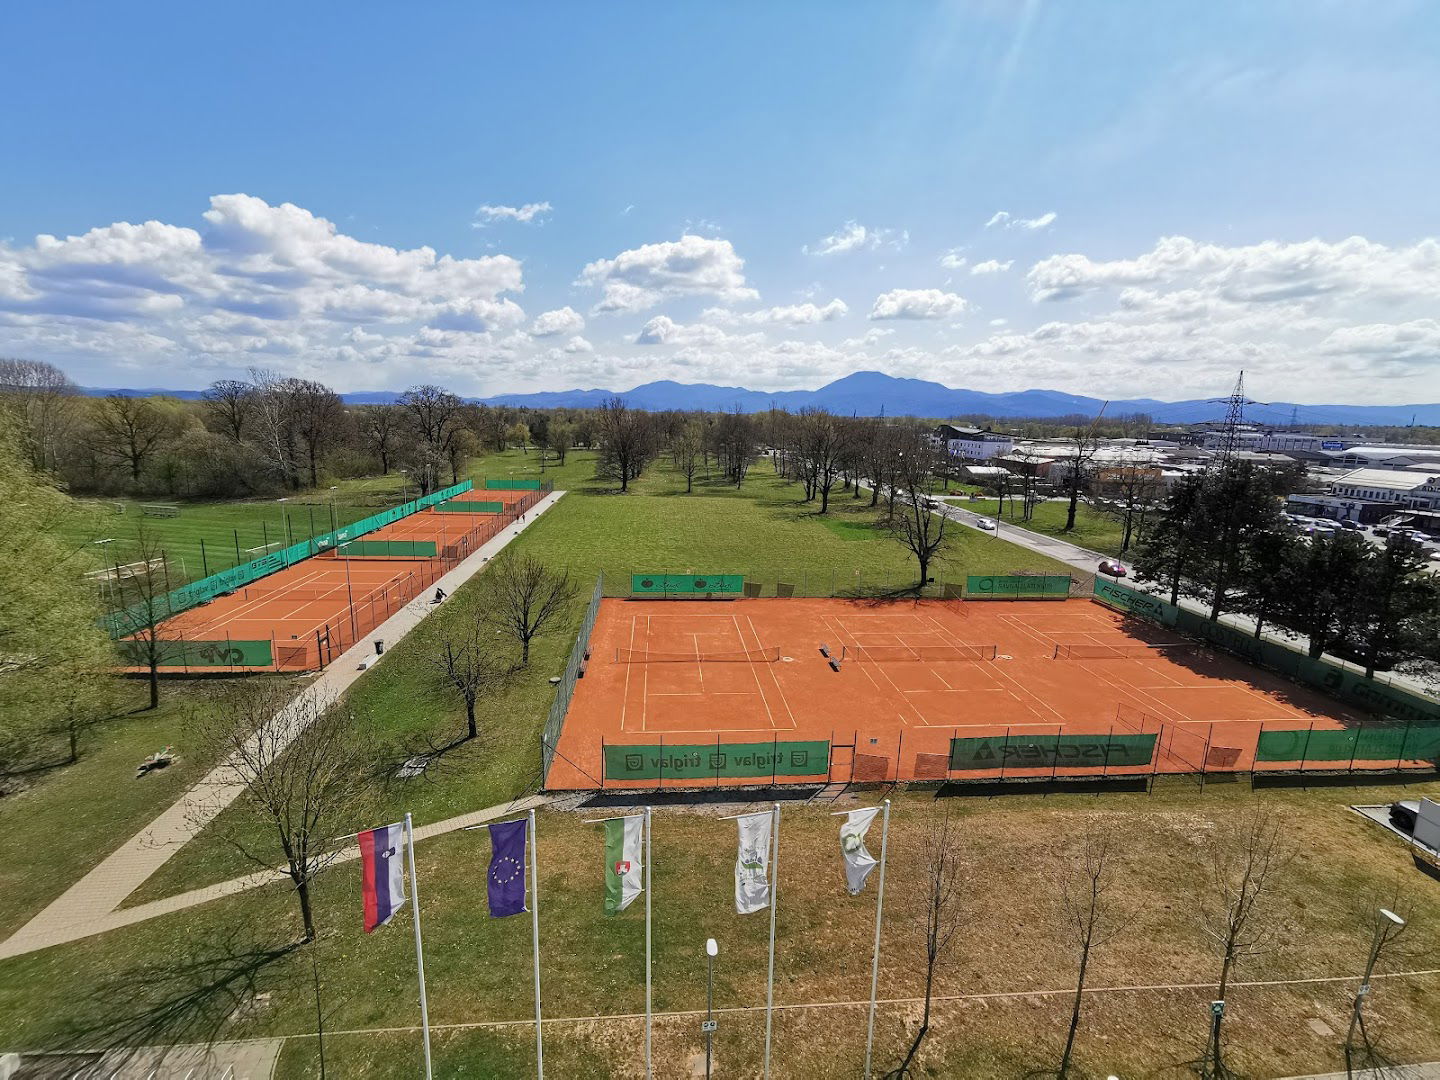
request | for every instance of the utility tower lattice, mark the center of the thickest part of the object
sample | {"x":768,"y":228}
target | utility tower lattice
{"x":1234,"y":419}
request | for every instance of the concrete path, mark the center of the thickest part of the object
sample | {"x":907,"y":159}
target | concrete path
{"x":92,"y":899}
{"x":60,"y":933}
{"x":1082,"y":558}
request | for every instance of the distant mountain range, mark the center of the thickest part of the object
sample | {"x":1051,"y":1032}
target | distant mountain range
{"x":873,"y":393}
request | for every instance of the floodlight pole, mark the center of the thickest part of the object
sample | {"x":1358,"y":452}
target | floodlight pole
{"x":875,"y":956}
{"x":1385,"y":922}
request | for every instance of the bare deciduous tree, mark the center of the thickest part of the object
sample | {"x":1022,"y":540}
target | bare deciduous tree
{"x":129,"y":431}
{"x":464,"y":661}
{"x":230,"y":404}
{"x":45,"y":404}
{"x":144,"y":591}
{"x":685,"y":450}
{"x":915,"y":522}
{"x":626,"y":441}
{"x":1089,"y":913}
{"x":942,"y":914}
{"x":524,"y":598}
{"x":1243,"y":861}
{"x":304,"y":773}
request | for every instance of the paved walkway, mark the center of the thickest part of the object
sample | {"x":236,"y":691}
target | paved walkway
{"x":91,"y":901}
{"x":1082,"y":558}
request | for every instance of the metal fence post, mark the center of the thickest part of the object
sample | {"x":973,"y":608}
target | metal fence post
{"x":1400,"y":754}
{"x":1305,"y":750}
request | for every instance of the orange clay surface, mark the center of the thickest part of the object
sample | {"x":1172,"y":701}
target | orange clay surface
{"x":306,"y":610}
{"x":899,"y":715}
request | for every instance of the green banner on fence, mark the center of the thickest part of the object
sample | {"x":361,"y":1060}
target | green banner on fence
{"x":701,"y":761}
{"x":687,"y":584}
{"x":495,"y":484}
{"x":1018,"y":751}
{"x":1016,"y":586}
{"x":455,"y":506}
{"x":414,"y":549}
{"x":1351,"y":687}
{"x":138,"y":616}
{"x":198,"y":653}
{"x":1378,"y":742}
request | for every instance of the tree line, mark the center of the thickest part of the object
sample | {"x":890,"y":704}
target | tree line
{"x":262,"y":435}
{"x":1222,"y":538}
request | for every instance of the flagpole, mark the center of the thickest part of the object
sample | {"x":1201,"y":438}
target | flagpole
{"x":647,"y":944}
{"x":535,"y":940}
{"x":419,"y":947}
{"x":774,"y":900}
{"x":875,"y":956}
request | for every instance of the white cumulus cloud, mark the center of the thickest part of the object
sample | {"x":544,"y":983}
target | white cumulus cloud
{"x":691,"y":266}
{"x":953,"y":260}
{"x":991,"y":266}
{"x":917,"y":304}
{"x":565,"y":320}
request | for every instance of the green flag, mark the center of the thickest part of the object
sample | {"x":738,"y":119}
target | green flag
{"x":622,"y":861}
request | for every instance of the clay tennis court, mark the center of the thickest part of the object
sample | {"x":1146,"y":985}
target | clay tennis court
{"x":302,"y":617}
{"x":694,"y":692}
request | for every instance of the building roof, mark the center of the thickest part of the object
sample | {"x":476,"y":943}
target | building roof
{"x":1393,"y":479}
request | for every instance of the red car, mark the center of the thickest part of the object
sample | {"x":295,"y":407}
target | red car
{"x":1113,"y":568}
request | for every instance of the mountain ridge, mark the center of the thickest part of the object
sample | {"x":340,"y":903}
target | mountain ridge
{"x":873,"y":393}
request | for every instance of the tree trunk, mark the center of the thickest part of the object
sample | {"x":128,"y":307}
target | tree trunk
{"x":307,"y":916}
{"x":1075,"y":1012}
{"x":154,"y":681}
{"x":525,"y":652}
{"x":824,"y":499}
{"x":470,"y":717}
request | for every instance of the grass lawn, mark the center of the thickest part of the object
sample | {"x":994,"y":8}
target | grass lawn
{"x":67,"y":819}
{"x":1093,"y":530}
{"x":1011,"y":943}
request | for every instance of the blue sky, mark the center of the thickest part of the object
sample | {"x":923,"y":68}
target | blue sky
{"x":773,"y":195}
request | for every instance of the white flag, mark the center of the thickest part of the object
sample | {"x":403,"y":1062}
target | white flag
{"x":752,"y":865}
{"x":858,"y":861}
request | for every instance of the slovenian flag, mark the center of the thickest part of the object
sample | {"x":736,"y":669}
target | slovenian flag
{"x":382,"y":873}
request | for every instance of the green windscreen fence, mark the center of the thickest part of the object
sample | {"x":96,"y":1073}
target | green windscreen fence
{"x":137,"y":616}
{"x":687,"y":584}
{"x":1050,"y":751}
{"x":415,"y":549}
{"x":456,"y":506}
{"x":1375,"y":742}
{"x":198,"y":653}
{"x":707,"y":761}
{"x":498,"y":484}
{"x":1017,"y":586}
{"x":1351,"y":687}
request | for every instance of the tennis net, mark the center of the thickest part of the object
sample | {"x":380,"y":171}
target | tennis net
{"x":1125,"y":652}
{"x":735,"y":656}
{"x":881,"y":653}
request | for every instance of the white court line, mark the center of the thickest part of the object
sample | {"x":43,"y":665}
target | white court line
{"x":769,"y":713}
{"x":625,"y":701}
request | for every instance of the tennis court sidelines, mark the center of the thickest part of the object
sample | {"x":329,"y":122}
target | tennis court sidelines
{"x":735,"y":656}
{"x":1125,"y":652}
{"x":886,"y":653}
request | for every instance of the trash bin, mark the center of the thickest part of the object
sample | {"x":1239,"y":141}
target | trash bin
{"x":379,"y":646}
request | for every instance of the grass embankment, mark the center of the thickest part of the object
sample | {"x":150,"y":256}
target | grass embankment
{"x":65,"y":819}
{"x":1012,"y":942}
{"x":1093,"y":530}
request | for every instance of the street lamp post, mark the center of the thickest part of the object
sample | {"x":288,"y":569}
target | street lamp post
{"x":709,"y":1026}
{"x":1386,"y":922}
{"x":349,"y":592}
